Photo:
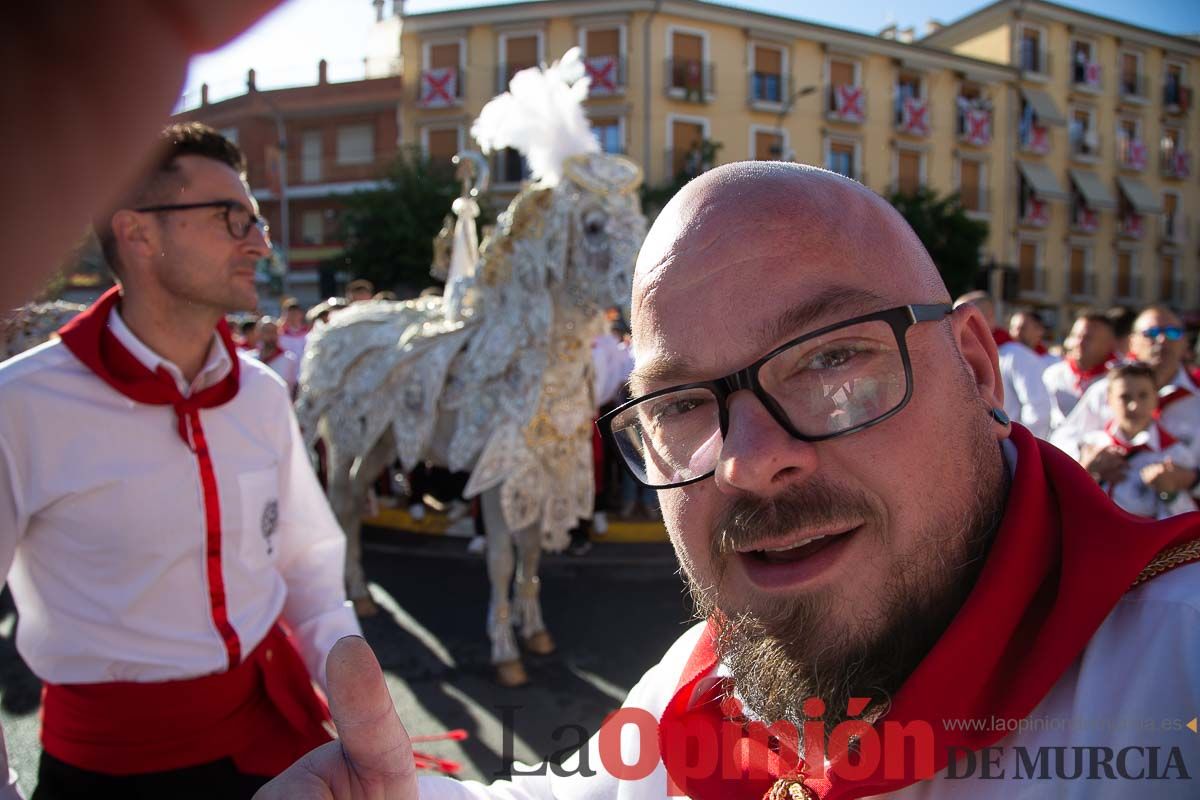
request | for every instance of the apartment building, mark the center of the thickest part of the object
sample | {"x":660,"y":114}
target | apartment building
{"x":312,"y":144}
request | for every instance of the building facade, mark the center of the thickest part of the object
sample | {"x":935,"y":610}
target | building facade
{"x":1068,"y":134}
{"x":313,"y":145}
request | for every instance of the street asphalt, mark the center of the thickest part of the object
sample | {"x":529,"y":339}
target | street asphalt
{"x":613,"y":613}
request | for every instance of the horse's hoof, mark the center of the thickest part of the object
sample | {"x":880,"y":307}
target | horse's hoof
{"x":540,"y":644}
{"x":365,"y":607}
{"x":511,"y":674}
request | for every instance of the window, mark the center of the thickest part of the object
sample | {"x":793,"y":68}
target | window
{"x":909,"y":165}
{"x":687,"y":148}
{"x":446,"y":55}
{"x":604,"y":59}
{"x":1131,"y":151}
{"x":1171,"y":228}
{"x":312,"y":227}
{"x":517,"y":52}
{"x":689,"y":73}
{"x":1079,"y":275}
{"x":1029,"y":270}
{"x":441,"y":144}
{"x":1176,"y":95}
{"x":441,"y":81}
{"x":355,"y":144}
{"x":767,"y":78}
{"x":1172,"y":155}
{"x":768,"y":145}
{"x":970,"y":185}
{"x":842,"y":158}
{"x":974,"y":115}
{"x":1132,"y":84}
{"x":1085,"y":69}
{"x":511,"y":166}
{"x":608,"y":132}
{"x":310,"y":156}
{"x":1085,"y":139}
{"x":1125,"y":284}
{"x":1032,"y":56}
{"x":1169,"y":278}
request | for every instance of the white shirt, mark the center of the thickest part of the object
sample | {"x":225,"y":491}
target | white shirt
{"x":1132,"y":494}
{"x":1063,"y":389}
{"x":612,"y":363}
{"x":293,"y":342}
{"x":102,"y":532}
{"x":1142,"y":664}
{"x":1091,"y":413}
{"x":1025,"y":397}
{"x":285,"y":364}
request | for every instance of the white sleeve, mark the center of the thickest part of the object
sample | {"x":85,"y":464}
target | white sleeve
{"x":12,"y":528}
{"x":1031,"y":392}
{"x":1088,"y":415}
{"x":311,"y":558}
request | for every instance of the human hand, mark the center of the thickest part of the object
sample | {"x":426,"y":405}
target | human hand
{"x":1167,"y":477}
{"x":1106,"y":464}
{"x":372,"y":758}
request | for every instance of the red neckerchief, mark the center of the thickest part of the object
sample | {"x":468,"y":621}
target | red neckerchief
{"x":1001,"y":336}
{"x":1063,"y":557}
{"x":1040,"y":349}
{"x":1170,"y":398}
{"x":1127,"y":449}
{"x":88,"y":337}
{"x":1084,"y":377}
{"x":287,"y":330}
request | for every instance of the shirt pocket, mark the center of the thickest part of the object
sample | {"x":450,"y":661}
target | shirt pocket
{"x":259,"y":491}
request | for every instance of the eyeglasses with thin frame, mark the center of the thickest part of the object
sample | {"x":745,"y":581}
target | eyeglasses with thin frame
{"x":1173,"y":333}
{"x":238,"y":219}
{"x":838,"y":380}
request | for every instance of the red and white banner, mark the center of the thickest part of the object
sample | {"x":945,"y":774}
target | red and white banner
{"x":849,"y":102}
{"x":914,"y":117}
{"x":439,"y":87}
{"x":1037,"y":212}
{"x":1135,"y":155}
{"x":603,"y":72}
{"x":978,"y":128}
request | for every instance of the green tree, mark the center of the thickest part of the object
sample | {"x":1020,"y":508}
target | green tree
{"x":952,"y":238}
{"x":699,"y":159}
{"x":389,"y":231}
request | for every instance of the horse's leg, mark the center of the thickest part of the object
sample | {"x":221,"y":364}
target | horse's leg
{"x":528,"y":604}
{"x":349,"y":515}
{"x":500,"y":567}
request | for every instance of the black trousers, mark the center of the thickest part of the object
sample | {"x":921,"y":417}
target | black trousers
{"x":58,"y":780}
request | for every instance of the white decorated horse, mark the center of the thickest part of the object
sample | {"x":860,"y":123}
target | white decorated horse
{"x":495,"y":377}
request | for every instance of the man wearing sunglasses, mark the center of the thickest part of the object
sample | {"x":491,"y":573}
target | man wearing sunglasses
{"x":160,"y":515}
{"x":869,"y":540}
{"x":1158,"y":340}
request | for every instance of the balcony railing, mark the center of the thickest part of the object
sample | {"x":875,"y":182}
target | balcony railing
{"x":1176,"y":163}
{"x":1173,"y":227}
{"x":440,"y":88}
{"x":1177,"y":98}
{"x":1085,"y":142}
{"x":1132,"y":153}
{"x":690,"y":80}
{"x":1035,"y":212}
{"x":1086,"y":75}
{"x":1034,"y":138}
{"x":607,"y":74}
{"x":1084,"y":219}
{"x":846,"y":103}
{"x":769,"y":88}
{"x":1133,"y":87}
{"x":1033,"y":61}
{"x":974,"y":125}
{"x":1131,"y":226}
{"x":1081,"y":285}
{"x":912,"y":116}
{"x":1031,"y":280}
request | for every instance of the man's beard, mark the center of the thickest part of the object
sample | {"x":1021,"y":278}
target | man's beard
{"x":771,"y":651}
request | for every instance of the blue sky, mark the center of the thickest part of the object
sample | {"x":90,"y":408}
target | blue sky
{"x":285,"y":46}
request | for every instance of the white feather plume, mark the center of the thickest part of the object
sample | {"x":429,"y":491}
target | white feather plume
{"x":541,"y":115}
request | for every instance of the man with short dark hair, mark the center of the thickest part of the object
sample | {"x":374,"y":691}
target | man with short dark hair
{"x":159,"y":519}
{"x":903,"y":593}
{"x":1089,"y":348}
{"x":360,"y":291}
{"x":293,"y":330}
{"x":269,"y":351}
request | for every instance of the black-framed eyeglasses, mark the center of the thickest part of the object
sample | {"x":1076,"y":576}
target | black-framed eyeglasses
{"x":238,"y":219}
{"x":834,"y":381}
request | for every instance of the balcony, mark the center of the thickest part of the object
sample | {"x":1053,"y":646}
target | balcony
{"x":1034,"y":138}
{"x":912,"y":116}
{"x":607,"y":74}
{"x":1133,"y":88}
{"x":1176,"y":163}
{"x":767,"y":90}
{"x":440,"y":88}
{"x":1132,"y":154}
{"x":1173,"y":227}
{"x":1085,"y":143}
{"x":1131,"y":226}
{"x":974,"y":124}
{"x":846,"y":103}
{"x":1087,"y":76}
{"x":1177,"y":98}
{"x":1084,"y":219}
{"x":690,"y":80}
{"x":1035,"y":212}
{"x":1034,"y":63}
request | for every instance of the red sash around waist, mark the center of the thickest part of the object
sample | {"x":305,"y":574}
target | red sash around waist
{"x":264,"y":714}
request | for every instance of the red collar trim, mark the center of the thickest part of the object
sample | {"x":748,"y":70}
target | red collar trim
{"x":1001,"y":336}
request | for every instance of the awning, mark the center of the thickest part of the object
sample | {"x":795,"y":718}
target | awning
{"x":1043,"y":106}
{"x":1095,"y":193}
{"x":1143,"y":200}
{"x":1042,"y":180}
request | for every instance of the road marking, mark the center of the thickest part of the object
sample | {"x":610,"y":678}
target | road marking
{"x":409,"y":623}
{"x":604,"y":686}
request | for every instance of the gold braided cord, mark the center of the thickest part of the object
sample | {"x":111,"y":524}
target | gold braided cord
{"x":790,"y":789}
{"x":1169,"y":559}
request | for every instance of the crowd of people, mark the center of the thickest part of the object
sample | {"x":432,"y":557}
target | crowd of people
{"x":1120,"y":397}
